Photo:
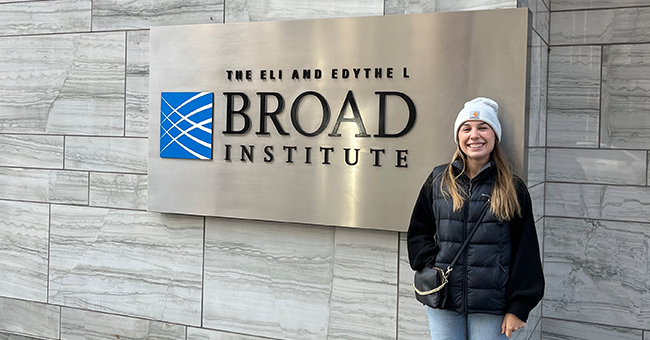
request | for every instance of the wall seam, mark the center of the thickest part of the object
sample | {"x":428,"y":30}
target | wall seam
{"x":596,"y":219}
{"x":600,"y":100}
{"x":595,"y":324}
{"x":126,"y":49}
{"x":599,"y":9}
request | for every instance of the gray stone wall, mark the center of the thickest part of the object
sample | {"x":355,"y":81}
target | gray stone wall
{"x":81,"y":258}
{"x":597,"y":217}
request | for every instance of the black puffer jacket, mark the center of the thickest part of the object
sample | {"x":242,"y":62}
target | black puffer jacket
{"x":500,"y":270}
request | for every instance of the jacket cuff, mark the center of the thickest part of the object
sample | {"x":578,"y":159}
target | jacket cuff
{"x":520,"y":310}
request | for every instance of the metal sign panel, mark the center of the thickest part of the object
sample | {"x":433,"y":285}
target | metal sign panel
{"x":330,"y":122}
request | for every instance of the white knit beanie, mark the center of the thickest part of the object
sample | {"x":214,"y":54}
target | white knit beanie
{"x":483,"y":109}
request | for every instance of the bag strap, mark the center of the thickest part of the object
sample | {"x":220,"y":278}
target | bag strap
{"x":471,"y":233}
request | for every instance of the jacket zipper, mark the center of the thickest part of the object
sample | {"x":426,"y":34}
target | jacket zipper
{"x":465,"y":279}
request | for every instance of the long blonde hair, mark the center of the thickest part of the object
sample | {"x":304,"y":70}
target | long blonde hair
{"x":503,"y":199}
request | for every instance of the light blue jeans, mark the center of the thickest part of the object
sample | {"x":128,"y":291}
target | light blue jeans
{"x":449,"y":325}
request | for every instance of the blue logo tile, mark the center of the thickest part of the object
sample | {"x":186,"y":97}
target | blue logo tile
{"x":186,"y":125}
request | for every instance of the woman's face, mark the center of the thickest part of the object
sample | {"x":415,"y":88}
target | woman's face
{"x":476,"y":139}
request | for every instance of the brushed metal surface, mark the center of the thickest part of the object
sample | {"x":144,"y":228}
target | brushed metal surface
{"x":450,"y":58}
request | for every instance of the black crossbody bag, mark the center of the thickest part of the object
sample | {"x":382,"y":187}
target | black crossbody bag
{"x":430,"y":284}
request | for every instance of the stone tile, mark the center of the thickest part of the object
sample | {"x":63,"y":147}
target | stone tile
{"x":648,"y":167}
{"x":51,"y":186}
{"x":262,"y":10}
{"x":565,"y":330}
{"x":137,"y":84}
{"x":574,"y":96}
{"x":31,"y":151}
{"x":541,"y":16}
{"x":100,"y":258}
{"x":629,"y":25}
{"x":364,"y":287}
{"x":537,"y":197}
{"x":137,"y":106}
{"x":133,"y":14}
{"x":63,"y":84}
{"x":597,"y":271}
{"x":29,"y":318}
{"x":573,"y":128}
{"x":260,"y":276}
{"x":107,"y":154}
{"x":563,"y":5}
{"x":626,"y":97}
{"x":23,"y":250}
{"x":428,"y":6}
{"x":596,"y":166}
{"x":38,"y":17}
{"x":85,"y":325}
{"x":536,"y":165}
{"x":118,"y":191}
{"x":574,"y":77}
{"x":137,"y":53}
{"x":6,"y":336}
{"x":537,"y":332}
{"x":598,"y":201}
{"x":412,"y":323}
{"x":205,"y":334}
{"x":537,"y":96}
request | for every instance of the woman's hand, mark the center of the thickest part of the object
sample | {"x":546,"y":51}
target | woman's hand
{"x":510,"y":324}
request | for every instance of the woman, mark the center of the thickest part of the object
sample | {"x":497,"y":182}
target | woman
{"x":498,"y":278}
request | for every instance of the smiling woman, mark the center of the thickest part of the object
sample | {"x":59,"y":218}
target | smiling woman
{"x":498,"y":279}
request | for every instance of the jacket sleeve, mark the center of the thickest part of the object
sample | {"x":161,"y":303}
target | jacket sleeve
{"x":422,"y":248}
{"x":526,"y":284}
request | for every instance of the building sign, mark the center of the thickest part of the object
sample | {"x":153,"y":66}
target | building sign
{"x":330,"y":122}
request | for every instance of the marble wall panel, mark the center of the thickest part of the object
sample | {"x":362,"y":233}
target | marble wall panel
{"x":428,"y":6}
{"x":536,"y":165}
{"x":101,"y":258}
{"x":40,"y":17}
{"x":29,"y":318}
{"x":627,"y":203}
{"x":51,"y":186}
{"x":205,"y":334}
{"x":412,"y":322}
{"x":118,"y":191}
{"x":262,"y":10}
{"x":537,"y":197}
{"x":553,"y":329}
{"x":134,"y":14}
{"x":268,"y":279}
{"x":574,"y":96}
{"x":629,"y":25}
{"x":596,"y":166}
{"x":31,"y":151}
{"x":6,"y":336}
{"x":537,"y":96}
{"x":648,"y":167}
{"x":24,"y":250}
{"x":107,"y":154}
{"x":363,"y":304}
{"x":137,"y":84}
{"x":563,"y":5}
{"x":541,"y":16}
{"x":597,"y":271}
{"x":626,"y":97}
{"x":63,"y":84}
{"x":85,"y":325}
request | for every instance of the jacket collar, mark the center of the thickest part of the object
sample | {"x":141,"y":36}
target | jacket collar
{"x":487,"y":169}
